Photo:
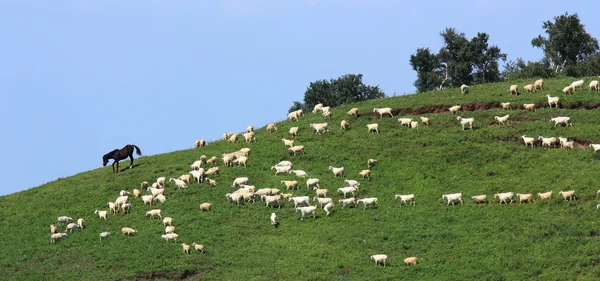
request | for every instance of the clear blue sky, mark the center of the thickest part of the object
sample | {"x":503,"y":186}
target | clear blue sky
{"x":163,"y":70}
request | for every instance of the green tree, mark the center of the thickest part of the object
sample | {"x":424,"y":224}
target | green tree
{"x":567,"y":44}
{"x":429,"y":70}
{"x":348,"y":88}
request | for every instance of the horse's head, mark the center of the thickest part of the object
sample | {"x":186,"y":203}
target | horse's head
{"x":104,"y":162}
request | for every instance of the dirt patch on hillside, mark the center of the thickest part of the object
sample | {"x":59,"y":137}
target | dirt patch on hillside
{"x":165,"y":275}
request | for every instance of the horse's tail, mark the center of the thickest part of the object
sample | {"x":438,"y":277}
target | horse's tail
{"x":137,"y":150}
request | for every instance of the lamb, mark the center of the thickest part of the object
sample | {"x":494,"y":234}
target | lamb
{"x":353,"y":183}
{"x":347,"y":189}
{"x":594,"y":85}
{"x":294,"y":131}
{"x":545,"y":195}
{"x":197,"y":174}
{"x":549,"y":142}
{"x":57,"y":236}
{"x":379,"y":259}
{"x":337,"y":171}
{"x":307,"y":210}
{"x":514,"y":89}
{"x":348,"y":201}
{"x":530,"y":88}
{"x":367,"y":201}
{"x":292,"y":116}
{"x":297,"y":148}
{"x":178,"y":182}
{"x":525,"y":197}
{"x":539,"y":84}
{"x":505,"y":105}
{"x":529,"y":106}
{"x":404,"y":121}
{"x":249,"y":136}
{"x":128,"y":231}
{"x":328,"y":208}
{"x":552,"y":101}
{"x":112,"y":207}
{"x":144,"y":185}
{"x":186,"y":248}
{"x":147,"y":199}
{"x":200,"y":143}
{"x":464,"y":89}
{"x":170,"y":236}
{"x":101,"y":214}
{"x":425,"y":120}
{"x":320,"y":127}
{"x":327,"y":115}
{"x":71,"y":226}
{"x":274,"y":220}
{"x":406,"y":199}
{"x":353,"y":112}
{"x":344,"y":125}
{"x":64,"y":219}
{"x":161,"y":181}
{"x":154,"y":212}
{"x":271,"y":128}
{"x":322,"y":201}
{"x":568,"y":90}
{"x":567,"y":195}
{"x":233,"y":138}
{"x":595,"y":147}
{"x":169,"y":229}
{"x":198,"y":247}
{"x":167,"y":221}
{"x":503,"y":197}
{"x":453,"y":197}
{"x":124,"y":192}
{"x":239,"y":181}
{"x":464,"y":121}
{"x":299,"y":173}
{"x":410,"y":260}
{"x":365,"y":174}
{"x":479,"y":198}
{"x":502,"y":119}
{"x":371,"y":163}
{"x":321,"y":191}
{"x":374,"y":127}
{"x":126,"y":208}
{"x":290,"y":184}
{"x":196,"y":165}
{"x":212,"y":160}
{"x":528,"y":141}
{"x":454,"y":109}
{"x":287,"y":142}
{"x":281,"y":169}
{"x":577,"y":84}
{"x":161,"y":198}
{"x":242,"y":160}
{"x":211,"y":182}
{"x":561,"y":120}
{"x":299,"y":200}
{"x":206,"y":206}
{"x":52,"y":229}
{"x":137,"y":193}
{"x":313,"y":182}
{"x":382,"y":111}
{"x":104,"y":235}
{"x":414,"y":125}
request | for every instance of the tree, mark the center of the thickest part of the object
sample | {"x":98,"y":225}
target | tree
{"x":348,"y":88}
{"x":428,"y":67}
{"x":567,"y":44}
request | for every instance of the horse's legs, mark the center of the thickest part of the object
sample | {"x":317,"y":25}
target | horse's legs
{"x":131,"y":163}
{"x":113,"y":165}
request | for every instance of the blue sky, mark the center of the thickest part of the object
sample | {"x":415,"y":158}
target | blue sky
{"x":165,"y":70}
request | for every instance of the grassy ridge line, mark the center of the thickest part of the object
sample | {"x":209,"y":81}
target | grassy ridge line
{"x":513,"y":242}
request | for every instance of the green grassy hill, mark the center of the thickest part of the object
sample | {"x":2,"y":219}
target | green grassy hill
{"x":545,"y":240}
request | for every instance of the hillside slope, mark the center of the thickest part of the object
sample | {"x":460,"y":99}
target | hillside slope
{"x":545,"y":240}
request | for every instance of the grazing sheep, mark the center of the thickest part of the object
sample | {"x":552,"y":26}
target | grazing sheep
{"x":595,"y":147}
{"x":317,"y":108}
{"x":353,"y":112}
{"x":568,"y":90}
{"x":562,"y":121}
{"x":198,"y":247}
{"x":147,"y":199}
{"x":52,"y":229}
{"x":307,"y":210}
{"x":479,"y":198}
{"x":322,"y":201}
{"x":567,"y":195}
{"x":292,"y":116}
{"x":594,"y":85}
{"x":206,"y":206}
{"x":297,"y":148}
{"x":287,"y":142}
{"x":161,"y":198}
{"x":281,"y":169}
{"x":290,"y":185}
{"x":349,"y":201}
{"x":379,"y":259}
{"x":344,"y":125}
{"x":64,"y":219}
{"x":104,"y":235}
{"x":529,"y":88}
{"x":112,"y":207}
{"x":167,"y":221}
{"x":549,"y":142}
{"x":242,"y":160}
{"x":101,"y":214}
{"x":169,"y":229}
{"x":239,"y":181}
{"x":577,"y":84}
{"x":564,"y":143}
{"x":505,"y":105}
{"x":154,"y":212}
{"x":528,"y":141}
{"x":365,"y":174}
{"x":325,"y":109}
{"x":126,"y":208}
{"x":371,"y":163}
{"x":552,"y":101}
{"x":56,"y":236}
{"x":353,"y":183}
{"x":539,"y":84}
{"x":367,"y":201}
{"x":185,"y":178}
{"x":314,"y":182}
{"x":414,"y":125}
{"x":271,"y":128}
{"x":271,"y":200}
{"x":161,"y":181}
{"x":406,"y":199}
{"x":300,"y":200}
{"x":249,"y":129}
{"x":404,"y":121}
{"x":249,"y":136}
{"x":170,"y":236}
{"x":464,"y":121}
{"x":464,"y":89}
{"x":382,"y":111}
{"x":128,"y":231}
{"x":337,"y":171}
{"x":299,"y":173}
{"x":503,"y":197}
{"x":144,"y":185}
{"x":328,"y":208}
{"x":186,"y":248}
{"x":212,"y":160}
{"x":212,"y":171}
{"x":502,"y":119}
{"x":137,"y":193}
{"x":525,"y":197}
{"x":320,"y":127}
{"x":294,"y":131}
{"x":71,"y":227}
{"x":454,"y":109}
{"x":514,"y":90}
{"x":453,"y":197}
{"x":233,"y":138}
{"x":321,"y":191}
{"x":545,"y":195}
{"x":124,"y":192}
{"x":196,"y":165}
{"x":529,"y":106}
{"x":211,"y":182}
{"x":410,"y":260}
{"x":347,"y":189}
{"x":327,"y":115}
{"x":374,"y":127}
{"x":425,"y":120}
{"x":287,"y":195}
{"x":274,"y":220}
{"x":178,"y":182}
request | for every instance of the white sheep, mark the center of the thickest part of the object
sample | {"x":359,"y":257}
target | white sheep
{"x":212,"y":171}
{"x":374,"y":127}
{"x":353,"y":112}
{"x":464,"y":121}
{"x":577,"y":84}
{"x":379,"y":259}
{"x":568,"y":90}
{"x":545,"y":195}
{"x":144,"y":185}
{"x":454,"y":109}
{"x":239,"y":181}
{"x":528,"y":141}
{"x":453,"y":197}
{"x":242,"y":160}
{"x":320,"y":127}
{"x":414,"y":125}
{"x":271,"y":200}
{"x":156,"y":191}
{"x":196,"y":165}
{"x":161,"y":181}
{"x":288,"y":143}
{"x":211,"y":182}
{"x":337,"y":171}
{"x":299,"y":200}
{"x":595,"y":146}
{"x":281,"y":169}
{"x":549,"y":142}
{"x":561,"y":120}
{"x":344,"y":125}
{"x":56,"y":236}
{"x":64,"y":219}
{"x":410,"y":260}
{"x":271,"y":128}
{"x":514,"y":89}
{"x":124,"y":192}
{"x":479,"y":198}
{"x":249,"y":136}
{"x":347,"y":201}
{"x":425,"y":120}
{"x":503,"y":197}
{"x":353,"y":183}
{"x":292,"y":116}
{"x":126,"y":208}
{"x":317,"y":107}
{"x":406,"y":199}
{"x":567,"y":195}
{"x":167,"y":221}
{"x":539,"y":84}
{"x":233,"y":138}
{"x":530,"y":88}
{"x":178,"y":182}
{"x":212,"y":160}
{"x":346,"y":190}
{"x":154,"y":212}
{"x":169,"y":229}
{"x":384,"y":110}
{"x":104,"y":235}
{"x":327,"y":115}
{"x":328,"y":208}
{"x":307,"y":210}
{"x":274,"y":220}
{"x":290,"y":185}
{"x":101,"y":214}
{"x":147,"y":199}
{"x":502,"y":119}
{"x":207,"y":206}
{"x":294,"y":131}
{"x":71,"y":227}
{"x":137,"y":193}
{"x":367,"y":201}
{"x":296,"y":149}
{"x":464,"y":89}
{"x":525,"y":197}
{"x":161,"y":198}
{"x":200,"y":143}
{"x":197,"y":174}
{"x":594,"y":85}
{"x":112,"y":207}
{"x":186,"y":248}
{"x":505,"y":105}
{"x":170,"y":236}
{"x":552,"y":101}
{"x":322,"y":201}
{"x":299,"y":173}
{"x":365,"y":174}
{"x":313,"y":182}
{"x":371,"y":163}
{"x":128,"y":231}
{"x":249,"y":129}
{"x":404,"y":121}
{"x":284,"y":163}
{"x":321,"y":191}
{"x":529,"y":106}
{"x":52,"y":229}
{"x":198,"y":247}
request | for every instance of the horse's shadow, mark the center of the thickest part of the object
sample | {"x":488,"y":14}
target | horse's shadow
{"x":127,"y":168}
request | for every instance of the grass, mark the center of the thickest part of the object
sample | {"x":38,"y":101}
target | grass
{"x":544,"y":240}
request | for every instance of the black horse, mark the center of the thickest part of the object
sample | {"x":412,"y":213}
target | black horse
{"x":120,"y":154}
